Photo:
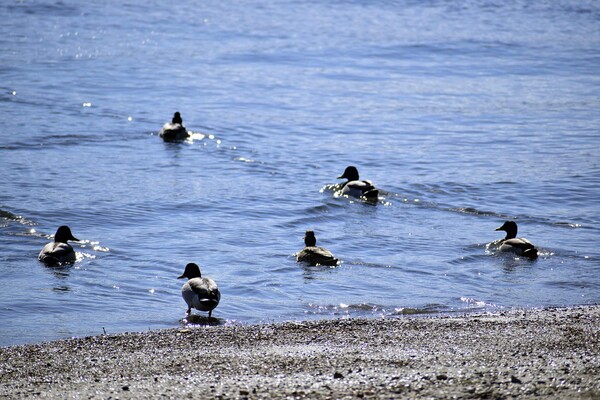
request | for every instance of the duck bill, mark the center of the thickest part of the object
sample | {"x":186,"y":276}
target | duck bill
{"x":74,"y":238}
{"x":180,"y":277}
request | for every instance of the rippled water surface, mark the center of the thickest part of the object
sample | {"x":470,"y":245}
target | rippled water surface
{"x":464,"y":113}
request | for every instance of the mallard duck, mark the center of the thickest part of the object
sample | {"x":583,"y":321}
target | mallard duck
{"x":355,"y":187}
{"x":59,"y":251}
{"x":511,"y":243}
{"x":313,"y":254}
{"x":199,"y":293}
{"x":174,"y":130}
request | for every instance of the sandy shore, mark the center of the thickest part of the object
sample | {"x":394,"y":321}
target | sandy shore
{"x":551,"y":353}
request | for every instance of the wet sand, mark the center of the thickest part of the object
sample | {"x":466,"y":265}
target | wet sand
{"x":552,"y":353}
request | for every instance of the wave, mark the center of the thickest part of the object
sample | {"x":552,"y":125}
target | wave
{"x":419,"y":192}
{"x":370,"y":309}
{"x":8,"y":216}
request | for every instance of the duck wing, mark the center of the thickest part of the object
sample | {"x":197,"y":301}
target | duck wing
{"x":56,"y":252}
{"x":206,"y":292}
{"x":172,"y":132}
{"x":359,"y":188}
{"x":520,"y":246}
{"x":362,"y":186}
{"x":315,"y":255}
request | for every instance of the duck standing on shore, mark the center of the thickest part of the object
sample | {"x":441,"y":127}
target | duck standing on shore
{"x":511,"y":243}
{"x":59,"y":251}
{"x":355,"y":187}
{"x":199,"y":293}
{"x":313,"y":254}
{"x":174,"y":130}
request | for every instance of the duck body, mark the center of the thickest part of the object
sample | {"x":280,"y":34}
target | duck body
{"x":355,"y":187}
{"x":512,"y":244}
{"x":174,"y":130}
{"x":59,"y":251}
{"x":519,"y":246}
{"x":200,"y":293}
{"x":315,"y":255}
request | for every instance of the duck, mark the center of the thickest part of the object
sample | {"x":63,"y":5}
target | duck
{"x":511,"y":243}
{"x":313,"y":254}
{"x":355,"y":187}
{"x":59,"y":251}
{"x":198,"y":292}
{"x":174,"y":130}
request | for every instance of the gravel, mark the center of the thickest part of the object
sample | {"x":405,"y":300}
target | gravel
{"x":550,"y":353}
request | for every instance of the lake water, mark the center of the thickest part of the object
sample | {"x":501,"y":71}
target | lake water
{"x":465,"y":113}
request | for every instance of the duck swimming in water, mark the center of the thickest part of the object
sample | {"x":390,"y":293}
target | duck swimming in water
{"x":313,"y":254}
{"x":175,"y":130}
{"x":59,"y":251}
{"x":355,"y":187}
{"x":511,"y":243}
{"x":199,"y":293}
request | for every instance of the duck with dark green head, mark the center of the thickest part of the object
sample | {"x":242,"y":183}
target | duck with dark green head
{"x":59,"y":251}
{"x":355,"y":187}
{"x":511,"y":243}
{"x":198,"y":292}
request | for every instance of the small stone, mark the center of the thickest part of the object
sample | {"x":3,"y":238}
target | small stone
{"x":514,"y":379}
{"x":442,"y":377}
{"x":337,"y":375}
{"x":125,"y":388}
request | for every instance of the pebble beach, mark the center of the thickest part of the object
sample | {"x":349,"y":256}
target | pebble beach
{"x":549,"y":353}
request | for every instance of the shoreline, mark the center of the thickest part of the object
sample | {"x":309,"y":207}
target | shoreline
{"x":554,"y":353}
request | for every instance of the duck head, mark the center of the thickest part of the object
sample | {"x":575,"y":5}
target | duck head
{"x":177,"y":119}
{"x":350,"y":173}
{"x":63,"y":234}
{"x":510,"y":227}
{"x":310,"y":239}
{"x":191,"y":271}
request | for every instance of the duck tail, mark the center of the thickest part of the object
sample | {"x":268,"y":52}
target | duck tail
{"x":371,"y":194}
{"x":50,"y":260}
{"x":530,"y":253}
{"x":330,"y":262}
{"x":209,"y":303}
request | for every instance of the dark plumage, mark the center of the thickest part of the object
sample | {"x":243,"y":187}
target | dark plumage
{"x":174,"y":131}
{"x":313,"y":254}
{"x":59,"y":251}
{"x":177,"y":119}
{"x":355,"y":187}
{"x":199,"y":293}
{"x":511,"y":243}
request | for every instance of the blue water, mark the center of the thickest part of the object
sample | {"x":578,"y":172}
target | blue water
{"x":464,"y":113}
